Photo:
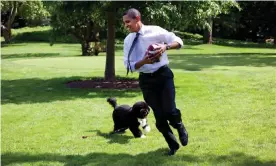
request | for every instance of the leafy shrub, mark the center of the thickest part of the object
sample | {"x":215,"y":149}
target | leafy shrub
{"x":39,"y":34}
{"x":44,"y":33}
{"x":186,"y":35}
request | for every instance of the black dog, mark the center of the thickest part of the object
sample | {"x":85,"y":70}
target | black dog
{"x":125,"y":117}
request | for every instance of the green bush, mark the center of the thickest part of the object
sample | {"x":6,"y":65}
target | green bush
{"x":43,"y":34}
{"x":30,"y":29}
{"x":186,"y":35}
{"x":39,"y":34}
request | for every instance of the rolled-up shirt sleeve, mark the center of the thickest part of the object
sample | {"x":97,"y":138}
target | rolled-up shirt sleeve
{"x":170,"y":37}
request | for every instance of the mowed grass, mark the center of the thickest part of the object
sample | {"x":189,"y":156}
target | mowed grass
{"x":227,"y":96}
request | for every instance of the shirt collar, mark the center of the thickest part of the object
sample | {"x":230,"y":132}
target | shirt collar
{"x":142,"y":29}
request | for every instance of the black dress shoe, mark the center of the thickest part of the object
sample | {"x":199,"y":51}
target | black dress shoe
{"x":183,"y":134}
{"x":172,"y":151}
{"x":184,"y":139}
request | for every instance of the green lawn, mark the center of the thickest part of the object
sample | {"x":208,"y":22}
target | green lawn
{"x":227,"y":96}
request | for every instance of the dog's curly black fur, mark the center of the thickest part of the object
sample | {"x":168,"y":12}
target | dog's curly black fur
{"x":125,"y":117}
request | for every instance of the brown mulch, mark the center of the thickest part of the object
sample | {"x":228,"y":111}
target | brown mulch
{"x":103,"y":84}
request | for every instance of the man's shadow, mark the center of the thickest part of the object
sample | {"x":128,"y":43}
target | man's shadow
{"x":120,"y":138}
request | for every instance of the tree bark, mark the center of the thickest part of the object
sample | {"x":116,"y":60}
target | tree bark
{"x":110,"y":52}
{"x":208,"y":36}
{"x":7,"y":33}
{"x":274,"y":34}
{"x":86,"y":48}
{"x":97,"y":48}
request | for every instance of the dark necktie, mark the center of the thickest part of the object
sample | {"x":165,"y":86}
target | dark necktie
{"x":130,"y":50}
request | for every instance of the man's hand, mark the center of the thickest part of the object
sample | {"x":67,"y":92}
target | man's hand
{"x":146,"y":60}
{"x":151,"y":59}
{"x":159,"y":53}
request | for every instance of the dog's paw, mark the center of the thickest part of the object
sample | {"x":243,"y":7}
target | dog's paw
{"x":147,"y":129}
{"x":143,"y":136}
{"x":142,"y":122}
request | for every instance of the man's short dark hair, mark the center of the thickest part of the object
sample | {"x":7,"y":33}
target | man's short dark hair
{"x":132,"y":13}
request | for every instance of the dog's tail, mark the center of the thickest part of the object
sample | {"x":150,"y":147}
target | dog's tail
{"x":112,"y":101}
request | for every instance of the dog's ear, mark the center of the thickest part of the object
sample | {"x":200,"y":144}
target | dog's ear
{"x":136,"y":107}
{"x":140,"y":109}
{"x":147,"y":106}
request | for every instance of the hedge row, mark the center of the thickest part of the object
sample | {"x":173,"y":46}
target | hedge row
{"x":43,"y":34}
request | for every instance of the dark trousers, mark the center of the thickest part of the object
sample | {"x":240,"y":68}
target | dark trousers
{"x":159,"y":92}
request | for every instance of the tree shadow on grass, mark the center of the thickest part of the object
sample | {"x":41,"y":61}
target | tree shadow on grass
{"x":29,"y":55}
{"x":35,"y":90}
{"x":197,"y":62}
{"x":156,"y":157}
{"x":4,"y":44}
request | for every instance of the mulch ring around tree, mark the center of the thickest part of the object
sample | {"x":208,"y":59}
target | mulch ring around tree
{"x":100,"y":83}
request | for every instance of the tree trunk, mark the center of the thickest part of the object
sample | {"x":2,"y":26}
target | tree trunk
{"x":274,"y":34}
{"x":254,"y":36}
{"x":6,"y":34}
{"x":110,"y":52}
{"x":97,"y":48}
{"x":208,"y":36}
{"x":86,"y":48}
{"x":8,"y":25}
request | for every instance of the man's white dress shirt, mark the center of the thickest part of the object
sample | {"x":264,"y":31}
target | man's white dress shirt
{"x":149,"y":34}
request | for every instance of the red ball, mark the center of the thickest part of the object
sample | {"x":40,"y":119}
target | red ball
{"x":153,"y":49}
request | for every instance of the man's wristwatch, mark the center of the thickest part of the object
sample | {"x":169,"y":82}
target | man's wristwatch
{"x":168,"y":47}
